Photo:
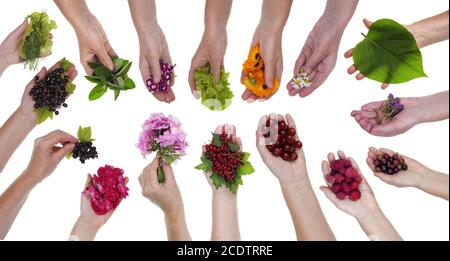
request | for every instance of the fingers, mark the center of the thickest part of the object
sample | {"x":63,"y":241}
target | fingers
{"x":279,"y":70}
{"x":329,"y":194}
{"x":362,"y":121}
{"x":144,"y":67}
{"x":360,"y":76}
{"x":165,"y":55}
{"x":59,"y":137}
{"x":84,"y":59}
{"x":299,"y":63}
{"x":219,"y":129}
{"x":215,"y":69}
{"x":155,"y":68}
{"x":313,"y":61}
{"x":369,"y":161}
{"x":331,"y":157}
{"x":105,"y":59}
{"x":18,"y":32}
{"x":372,"y":106}
{"x":326,"y":171}
{"x":367,"y":23}
{"x":290,"y":121}
{"x":247,"y":95}
{"x":269,"y":68}
{"x":150,"y":172}
{"x":352,"y":69}
{"x":341,"y":155}
{"x":168,"y":172}
{"x":384,"y":86}
{"x":348,"y":54}
{"x":62,"y":152}
{"x":88,"y":181}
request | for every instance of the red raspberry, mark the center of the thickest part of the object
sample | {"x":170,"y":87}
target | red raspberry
{"x":340,"y":195}
{"x":349,"y":172}
{"x":337,"y":165}
{"x":345,"y":187}
{"x":358,"y":179}
{"x":354,"y":185}
{"x":336,"y":188}
{"x":347,"y":163}
{"x":339,"y":178}
{"x":355,"y":195}
{"x":329,"y":178}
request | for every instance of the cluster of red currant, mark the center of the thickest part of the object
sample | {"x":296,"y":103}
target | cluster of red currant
{"x":226,"y":158}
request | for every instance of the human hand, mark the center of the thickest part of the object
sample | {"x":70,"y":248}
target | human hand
{"x":349,"y":54}
{"x":93,"y":44}
{"x":153,"y":48}
{"x":210,"y":51}
{"x":270,"y":42}
{"x":9,"y":48}
{"x":48,"y":151}
{"x":412,"y":177}
{"x":370,"y":114}
{"x":366,"y":205}
{"x":27,"y":102}
{"x":286,"y":172}
{"x":318,"y":56}
{"x":229,"y":130}
{"x":166,"y":196}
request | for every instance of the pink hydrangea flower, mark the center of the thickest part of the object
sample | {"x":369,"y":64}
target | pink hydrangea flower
{"x":106,"y":190}
{"x":160,"y":133}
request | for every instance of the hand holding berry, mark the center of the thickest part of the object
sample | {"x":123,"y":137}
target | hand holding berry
{"x":366,"y":205}
{"x":48,"y":151}
{"x":285,"y":171}
{"x":27,"y":104}
{"x":413,"y":176}
{"x":167,"y":196}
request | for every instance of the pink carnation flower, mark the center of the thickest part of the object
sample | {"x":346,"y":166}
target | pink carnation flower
{"x":106,"y":190}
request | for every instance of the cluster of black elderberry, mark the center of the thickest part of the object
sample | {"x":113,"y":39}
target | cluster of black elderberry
{"x":84,"y":151}
{"x":51,"y":91}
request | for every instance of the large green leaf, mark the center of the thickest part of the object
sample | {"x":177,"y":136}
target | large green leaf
{"x":389,"y":54}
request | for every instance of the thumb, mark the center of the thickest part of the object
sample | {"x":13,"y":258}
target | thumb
{"x":329,"y":194}
{"x":62,"y":152}
{"x":105,"y":59}
{"x":269,"y":73}
{"x":20,"y":29}
{"x":367,"y":23}
{"x":170,"y":177}
{"x":215,"y":70}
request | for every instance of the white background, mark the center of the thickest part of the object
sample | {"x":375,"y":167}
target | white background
{"x":323,"y":120}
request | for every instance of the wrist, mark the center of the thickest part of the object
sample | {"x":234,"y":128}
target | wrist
{"x":27,"y":119}
{"x":370,"y":216}
{"x":224,"y":195}
{"x":418,"y":35}
{"x":84,"y":229}
{"x":174,"y":218}
{"x":31,"y":176}
{"x":3,"y":61}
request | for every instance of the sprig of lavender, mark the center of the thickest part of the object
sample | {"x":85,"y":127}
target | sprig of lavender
{"x":391,"y":108}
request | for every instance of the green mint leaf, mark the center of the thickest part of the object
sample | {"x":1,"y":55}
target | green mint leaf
{"x":43,"y":114}
{"x":129,"y":84}
{"x":85,"y":134}
{"x":94,"y":79}
{"x":118,"y":62}
{"x":102,"y":71}
{"x":389,"y":54}
{"x":94,"y":65}
{"x":124,"y":70}
{"x":97,"y":92}
{"x":216,"y":140}
{"x":116,"y":94}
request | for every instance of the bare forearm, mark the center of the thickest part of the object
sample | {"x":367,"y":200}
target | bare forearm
{"x":435,"y":107}
{"x":217,"y":13}
{"x":3,"y":63}
{"x":177,"y":228}
{"x":12,"y":200}
{"x":307,"y":216}
{"x":431,"y":30}
{"x":274,"y":14}
{"x":84,"y":231}
{"x":435,"y":183}
{"x":143,"y":13}
{"x":225,"y":224}
{"x":340,"y":12}
{"x":12,"y":133}
{"x":378,"y":228}
{"x":76,"y":12}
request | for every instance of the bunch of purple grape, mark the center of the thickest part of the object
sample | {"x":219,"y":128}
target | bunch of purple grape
{"x":166,"y":77}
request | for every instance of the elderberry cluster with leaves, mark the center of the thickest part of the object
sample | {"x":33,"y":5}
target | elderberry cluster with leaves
{"x":84,"y":150}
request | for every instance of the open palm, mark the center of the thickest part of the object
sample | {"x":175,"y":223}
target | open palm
{"x":369,"y":118}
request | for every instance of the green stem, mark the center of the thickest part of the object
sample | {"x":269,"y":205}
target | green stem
{"x":160,"y":173}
